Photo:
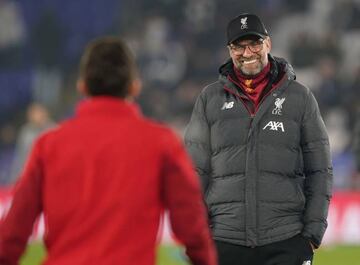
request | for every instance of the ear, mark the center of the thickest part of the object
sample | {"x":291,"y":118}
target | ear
{"x":228,"y":47}
{"x":82,"y":87}
{"x":268,"y":44}
{"x":134,"y":89}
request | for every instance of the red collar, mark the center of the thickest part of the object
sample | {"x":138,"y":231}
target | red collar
{"x":108,"y":106}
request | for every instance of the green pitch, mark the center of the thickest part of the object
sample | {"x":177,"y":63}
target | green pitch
{"x":167,"y":255}
{"x":172,"y":255}
{"x":338,"y":255}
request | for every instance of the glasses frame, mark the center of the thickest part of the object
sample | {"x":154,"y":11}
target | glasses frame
{"x":254,"y":46}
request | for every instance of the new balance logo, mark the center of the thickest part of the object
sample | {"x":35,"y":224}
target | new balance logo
{"x":307,"y":262}
{"x":274,"y":126}
{"x":228,"y":105}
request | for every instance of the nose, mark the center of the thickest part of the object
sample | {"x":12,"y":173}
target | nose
{"x":247,"y":52}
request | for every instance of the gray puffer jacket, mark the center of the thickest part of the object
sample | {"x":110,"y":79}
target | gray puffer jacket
{"x":266,"y":176}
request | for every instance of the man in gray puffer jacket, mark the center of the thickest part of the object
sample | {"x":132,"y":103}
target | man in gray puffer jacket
{"x":261,"y":149}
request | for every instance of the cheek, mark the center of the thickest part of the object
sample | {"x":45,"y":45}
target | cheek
{"x":264,"y":58}
{"x":233,"y":56}
{"x":235,"y":59}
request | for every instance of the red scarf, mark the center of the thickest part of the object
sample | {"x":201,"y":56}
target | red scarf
{"x":254,"y":85}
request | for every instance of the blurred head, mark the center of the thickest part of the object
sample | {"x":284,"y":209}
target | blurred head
{"x":107,"y":68}
{"x":38,"y":114}
{"x":249,"y":43}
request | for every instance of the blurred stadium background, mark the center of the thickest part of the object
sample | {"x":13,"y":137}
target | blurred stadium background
{"x":179,"y":45}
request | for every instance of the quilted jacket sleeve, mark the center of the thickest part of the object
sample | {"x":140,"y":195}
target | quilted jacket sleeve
{"x":318,"y":171}
{"x":197,"y":141}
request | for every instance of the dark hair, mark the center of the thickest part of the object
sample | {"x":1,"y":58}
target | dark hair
{"x":107,"y":67}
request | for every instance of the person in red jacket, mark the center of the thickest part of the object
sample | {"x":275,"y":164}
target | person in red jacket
{"x":104,"y":177}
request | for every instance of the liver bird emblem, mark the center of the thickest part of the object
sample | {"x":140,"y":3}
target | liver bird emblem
{"x":279,"y":102}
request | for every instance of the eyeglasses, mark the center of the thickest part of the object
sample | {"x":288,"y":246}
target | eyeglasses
{"x":254,"y":46}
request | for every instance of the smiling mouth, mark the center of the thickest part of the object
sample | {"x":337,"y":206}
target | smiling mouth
{"x":248,"y":62}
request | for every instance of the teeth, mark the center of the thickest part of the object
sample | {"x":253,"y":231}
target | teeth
{"x":249,"y":62}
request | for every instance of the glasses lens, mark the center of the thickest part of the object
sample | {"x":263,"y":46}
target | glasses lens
{"x":254,"y":46}
{"x":237,"y":48}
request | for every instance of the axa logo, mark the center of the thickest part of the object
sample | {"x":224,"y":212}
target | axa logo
{"x":244,"y":23}
{"x":274,"y":126}
{"x":228,"y":105}
{"x":278,"y":106}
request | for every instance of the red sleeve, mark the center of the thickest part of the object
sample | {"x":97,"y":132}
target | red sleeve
{"x":183,"y":199}
{"x":17,"y":225}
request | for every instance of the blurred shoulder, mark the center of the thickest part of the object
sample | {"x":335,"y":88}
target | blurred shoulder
{"x":52,"y":132}
{"x":157,"y":129}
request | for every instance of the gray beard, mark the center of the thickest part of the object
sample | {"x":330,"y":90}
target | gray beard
{"x":250,"y":72}
{"x":247,"y":72}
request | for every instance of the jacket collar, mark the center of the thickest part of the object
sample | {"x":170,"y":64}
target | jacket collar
{"x":107,"y":106}
{"x":279,"y":68}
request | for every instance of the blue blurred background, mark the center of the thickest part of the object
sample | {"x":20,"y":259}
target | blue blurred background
{"x":179,"y":45}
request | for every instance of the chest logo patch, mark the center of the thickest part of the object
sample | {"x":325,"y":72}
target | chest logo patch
{"x":278,"y":106}
{"x":274,"y":126}
{"x":228,"y":105}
